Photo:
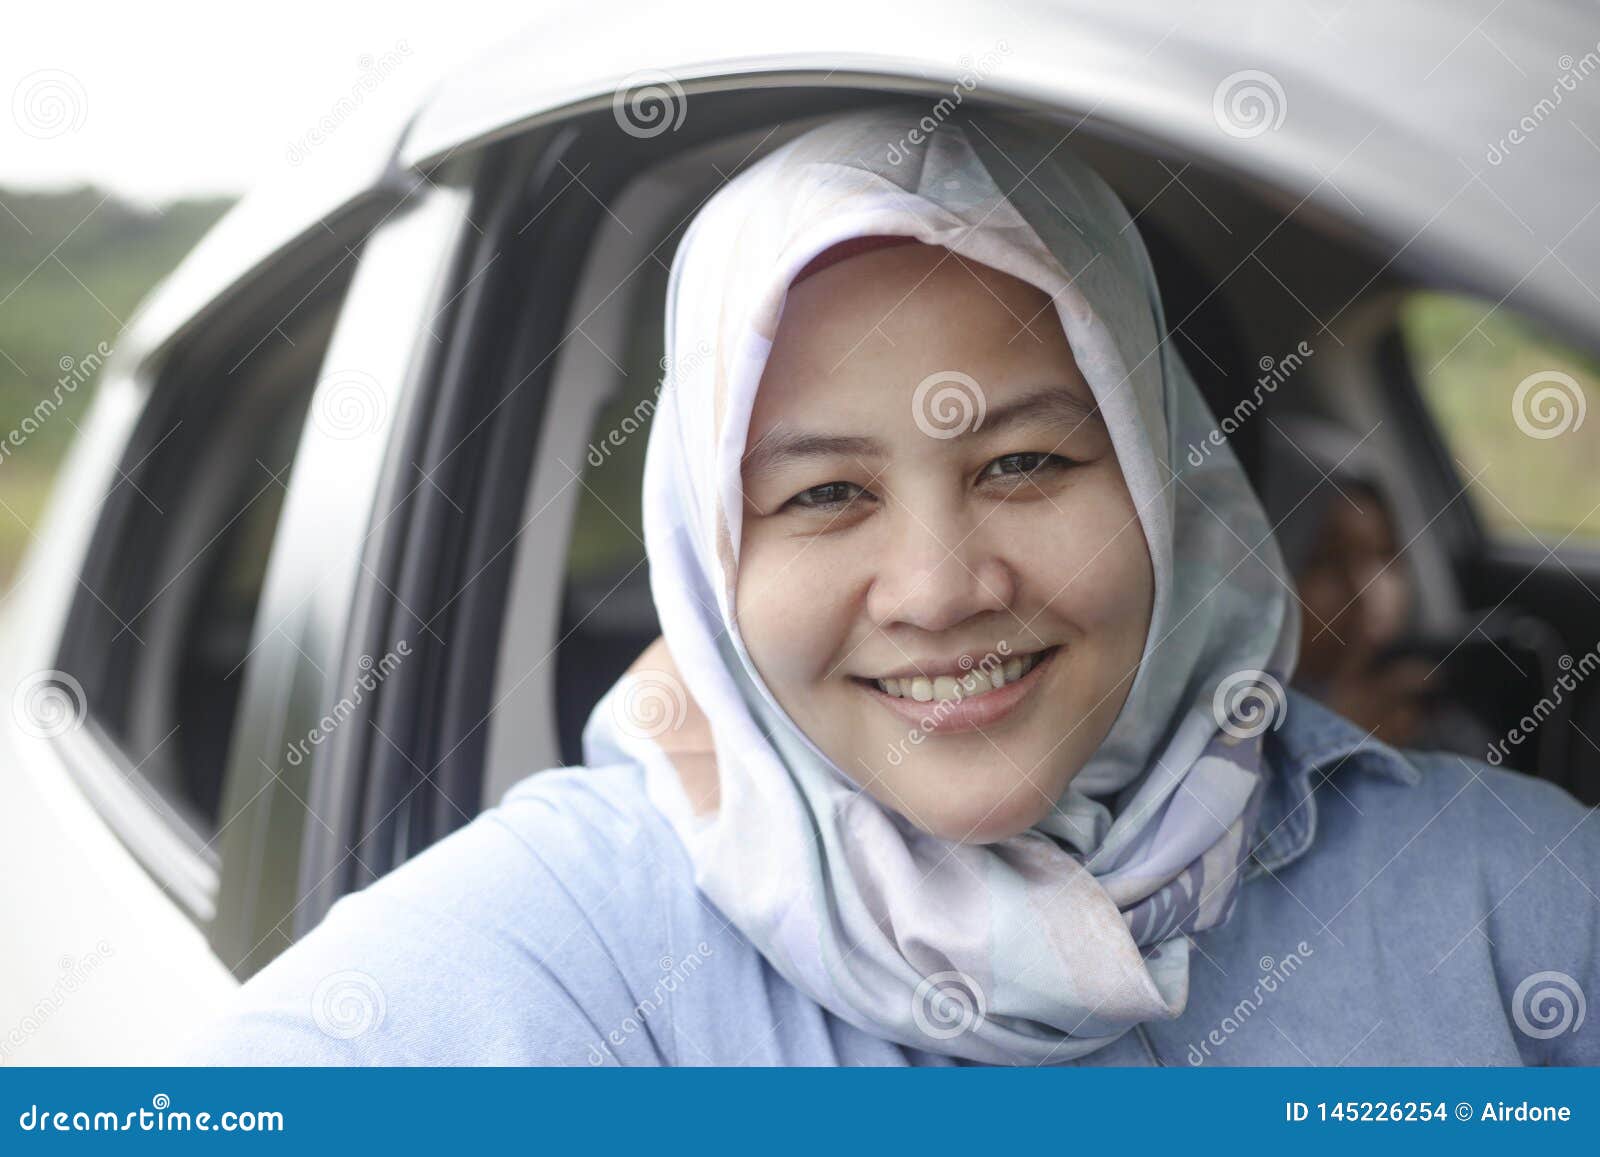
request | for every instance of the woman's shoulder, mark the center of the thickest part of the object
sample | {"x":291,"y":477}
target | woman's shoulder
{"x":1487,"y":876}
{"x":1389,"y":798}
{"x":519,"y":939}
{"x":1485,"y":811}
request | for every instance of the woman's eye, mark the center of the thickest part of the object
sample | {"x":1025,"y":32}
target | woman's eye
{"x":827,"y":496}
{"x":1016,"y":467}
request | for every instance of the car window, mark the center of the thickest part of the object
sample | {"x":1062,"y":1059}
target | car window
{"x":161,"y":627}
{"x":1519,"y":412}
{"x":607,"y":615}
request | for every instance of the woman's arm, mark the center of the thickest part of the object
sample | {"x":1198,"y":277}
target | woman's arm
{"x":512,"y":941}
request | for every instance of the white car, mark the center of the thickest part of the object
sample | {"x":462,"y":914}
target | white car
{"x":350,"y":540}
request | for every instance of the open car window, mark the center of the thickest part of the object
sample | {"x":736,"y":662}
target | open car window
{"x":1519,"y":412}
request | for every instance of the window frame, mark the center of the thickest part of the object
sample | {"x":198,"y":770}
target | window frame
{"x":181,"y":859}
{"x":338,"y":535}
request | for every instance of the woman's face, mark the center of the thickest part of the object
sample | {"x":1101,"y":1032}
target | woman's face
{"x":951,"y":603}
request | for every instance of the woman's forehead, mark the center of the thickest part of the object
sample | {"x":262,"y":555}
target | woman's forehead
{"x":870,"y":329}
{"x":866,"y":312}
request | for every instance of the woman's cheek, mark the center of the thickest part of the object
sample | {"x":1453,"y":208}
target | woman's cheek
{"x":789,"y":602}
{"x":1094,"y":565}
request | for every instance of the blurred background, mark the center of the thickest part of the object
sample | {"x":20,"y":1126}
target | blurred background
{"x":119,"y":149}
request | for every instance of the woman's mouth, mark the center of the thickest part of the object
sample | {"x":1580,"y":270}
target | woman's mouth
{"x":978,"y":697}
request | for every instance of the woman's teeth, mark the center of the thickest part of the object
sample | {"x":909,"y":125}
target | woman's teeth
{"x":950,"y":688}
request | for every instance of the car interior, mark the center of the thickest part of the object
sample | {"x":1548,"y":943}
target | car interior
{"x":1250,"y":278}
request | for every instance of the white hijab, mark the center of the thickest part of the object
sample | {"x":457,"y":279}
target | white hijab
{"x":1053,"y":943}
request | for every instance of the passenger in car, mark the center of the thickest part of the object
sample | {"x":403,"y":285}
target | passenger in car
{"x":1361,"y":651}
{"x":966,"y":740}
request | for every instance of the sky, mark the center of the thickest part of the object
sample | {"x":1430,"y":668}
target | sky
{"x":173,"y":99}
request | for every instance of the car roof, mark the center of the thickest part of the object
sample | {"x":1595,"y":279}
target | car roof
{"x":1394,"y":118}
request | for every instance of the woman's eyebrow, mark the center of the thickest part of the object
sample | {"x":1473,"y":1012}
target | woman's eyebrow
{"x":780,"y":447}
{"x":1053,"y":403}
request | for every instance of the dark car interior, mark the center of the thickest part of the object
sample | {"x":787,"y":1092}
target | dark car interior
{"x":1246,"y":274}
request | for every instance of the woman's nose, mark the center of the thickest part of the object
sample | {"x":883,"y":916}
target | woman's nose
{"x":937,"y":574}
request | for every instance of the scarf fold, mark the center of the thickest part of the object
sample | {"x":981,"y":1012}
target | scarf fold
{"x":1046,"y":946}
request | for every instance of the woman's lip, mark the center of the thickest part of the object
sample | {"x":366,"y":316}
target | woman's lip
{"x":948,"y":716}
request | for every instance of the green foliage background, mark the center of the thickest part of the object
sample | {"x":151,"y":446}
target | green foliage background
{"x":73,"y":267}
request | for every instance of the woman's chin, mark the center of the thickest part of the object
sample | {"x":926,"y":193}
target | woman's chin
{"x":955,"y":805}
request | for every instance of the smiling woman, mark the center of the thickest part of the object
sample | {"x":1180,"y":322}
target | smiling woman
{"x":966,"y":737}
{"x":916,"y":556}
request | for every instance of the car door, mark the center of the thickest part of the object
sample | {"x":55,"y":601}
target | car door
{"x":185,"y":610}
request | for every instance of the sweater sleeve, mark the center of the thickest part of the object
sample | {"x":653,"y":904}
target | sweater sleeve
{"x":523,"y":938}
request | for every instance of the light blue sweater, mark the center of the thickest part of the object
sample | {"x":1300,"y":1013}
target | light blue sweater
{"x":1400,"y":909}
